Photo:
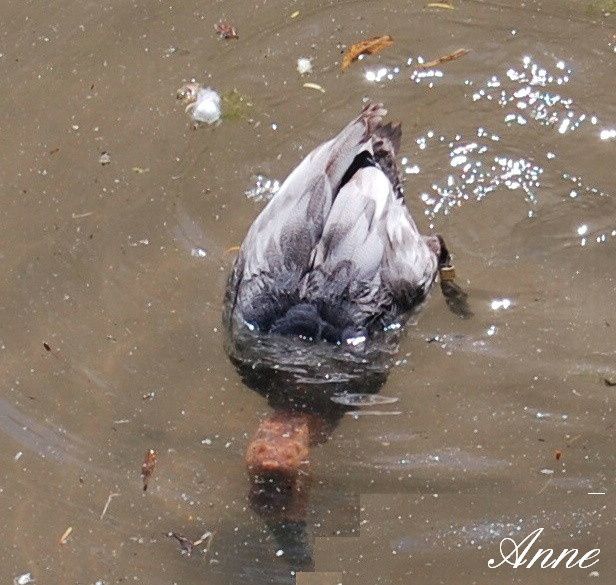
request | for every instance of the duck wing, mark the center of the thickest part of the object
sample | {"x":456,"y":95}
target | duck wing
{"x":371,"y":259}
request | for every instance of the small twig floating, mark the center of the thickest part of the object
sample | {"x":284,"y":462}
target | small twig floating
{"x":444,"y":59}
{"x":443,"y":5}
{"x":111,"y":496}
{"x":65,"y":535}
{"x":316,"y":86}
{"x":148,"y":466}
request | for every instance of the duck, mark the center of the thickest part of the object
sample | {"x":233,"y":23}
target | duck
{"x":335,"y":256}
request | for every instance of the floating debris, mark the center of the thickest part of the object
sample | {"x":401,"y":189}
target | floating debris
{"x":441,"y":5}
{"x":104,"y":158}
{"x":235,"y":106}
{"x":24,"y":579}
{"x":609,"y":382}
{"x":367,"y":47}
{"x":304,"y":65}
{"x":107,"y":503}
{"x":187,"y":546}
{"x":140,"y":170}
{"x":203,"y":103}
{"x":295,"y":14}
{"x":605,"y":7}
{"x":176,"y":51}
{"x":65,"y":535}
{"x":148,"y":466}
{"x":316,"y":86}
{"x":198,"y":252}
{"x":444,"y":59}
{"x":226,"y":30}
{"x":361,"y":399}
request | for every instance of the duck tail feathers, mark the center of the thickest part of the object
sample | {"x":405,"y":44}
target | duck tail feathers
{"x":386,"y":145}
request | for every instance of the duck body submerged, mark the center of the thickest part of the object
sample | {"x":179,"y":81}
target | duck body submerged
{"x":335,"y":255}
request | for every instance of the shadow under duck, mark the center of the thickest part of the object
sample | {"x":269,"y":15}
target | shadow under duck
{"x":335,"y":255}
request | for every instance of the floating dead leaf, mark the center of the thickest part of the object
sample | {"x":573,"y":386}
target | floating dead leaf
{"x":226,"y":30}
{"x":295,"y":14}
{"x":609,"y":382}
{"x":65,"y":535}
{"x":442,"y":5}
{"x":316,"y":86}
{"x":51,"y":152}
{"x":367,"y":47}
{"x":444,"y":59}
{"x":46,"y":346}
{"x":140,"y":170}
{"x":558,"y":454}
{"x":148,"y":466}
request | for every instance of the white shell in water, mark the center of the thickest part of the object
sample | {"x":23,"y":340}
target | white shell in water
{"x":304,"y":66}
{"x":207,"y":106}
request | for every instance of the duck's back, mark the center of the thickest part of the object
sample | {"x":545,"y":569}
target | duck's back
{"x":335,"y":254}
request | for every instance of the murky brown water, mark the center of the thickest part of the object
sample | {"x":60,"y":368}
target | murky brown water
{"x":121,"y":271}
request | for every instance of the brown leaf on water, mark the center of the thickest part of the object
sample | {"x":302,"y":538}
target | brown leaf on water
{"x":226,"y":30}
{"x":367,"y":47}
{"x":148,"y":466}
{"x":444,"y":59}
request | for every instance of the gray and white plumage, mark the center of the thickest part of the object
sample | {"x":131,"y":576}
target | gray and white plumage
{"x":335,"y":255}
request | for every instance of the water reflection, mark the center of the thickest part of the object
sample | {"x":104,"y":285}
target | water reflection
{"x":309,"y":388}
